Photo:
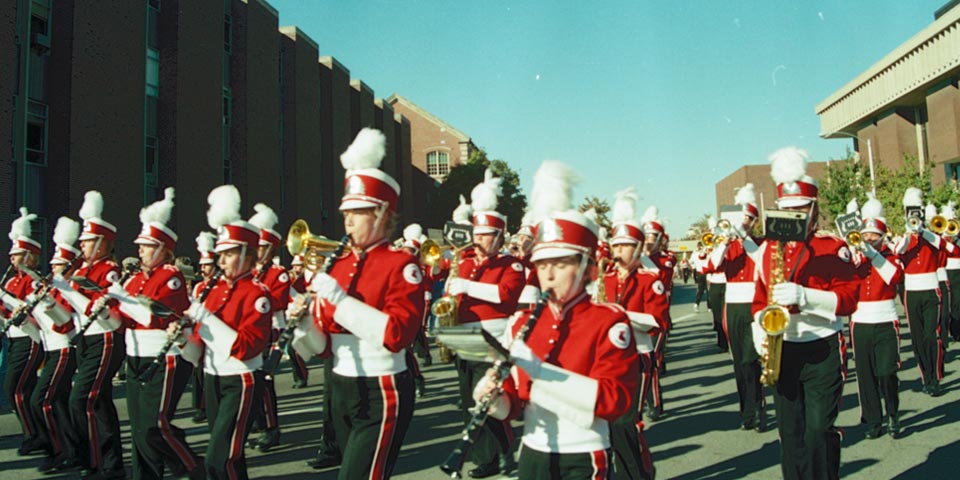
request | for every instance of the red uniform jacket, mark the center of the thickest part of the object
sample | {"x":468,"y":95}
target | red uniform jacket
{"x":165,"y":285}
{"x":243,"y":306}
{"x":102,"y":272}
{"x":878,"y":288}
{"x":277,"y":281}
{"x":503,"y":270}
{"x":642,"y":291}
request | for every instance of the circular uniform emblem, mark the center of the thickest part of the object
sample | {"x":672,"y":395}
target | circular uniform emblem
{"x":174,"y":283}
{"x":262,"y":305}
{"x":113,"y":276}
{"x":517,"y":267}
{"x":619,"y":335}
{"x":658,"y":287}
{"x":411,"y":273}
{"x":284,"y":278}
{"x":35,"y":285}
{"x":668,"y":263}
{"x":844,"y":254}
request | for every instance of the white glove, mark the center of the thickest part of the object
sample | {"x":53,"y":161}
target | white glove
{"x":326,"y":287}
{"x":789,"y":294}
{"x":869,"y":251}
{"x":457,"y":286}
{"x":98,"y":304}
{"x":523,"y":357}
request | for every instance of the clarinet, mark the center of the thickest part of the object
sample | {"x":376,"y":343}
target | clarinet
{"x":276,"y":350}
{"x":481,"y":410}
{"x":3,"y":281}
{"x":129,"y":270}
{"x":182,"y":322}
{"x":19,"y":318}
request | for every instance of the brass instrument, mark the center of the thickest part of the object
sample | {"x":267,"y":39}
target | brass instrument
{"x":953,"y":227}
{"x":938,"y":224}
{"x":431,"y":253}
{"x":774,"y":320}
{"x":445,"y":308}
{"x":707,"y":239}
{"x":914,"y":223}
{"x":312,"y":247}
{"x":601,"y":294}
{"x":854,"y":239}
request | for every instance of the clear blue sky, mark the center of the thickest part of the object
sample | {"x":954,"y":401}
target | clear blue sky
{"x":667,"y":96}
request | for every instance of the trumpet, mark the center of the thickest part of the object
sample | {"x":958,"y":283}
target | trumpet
{"x":312,"y":247}
{"x":914,"y":223}
{"x":938,"y":224}
{"x":953,"y":227}
{"x":854,"y":239}
{"x":431,"y":253}
{"x":707,"y":239}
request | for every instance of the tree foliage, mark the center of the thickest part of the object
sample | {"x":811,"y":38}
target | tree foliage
{"x":601,"y":206}
{"x":697,"y":228}
{"x":461,"y":180}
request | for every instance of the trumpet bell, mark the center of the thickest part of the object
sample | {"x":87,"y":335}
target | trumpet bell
{"x":938,"y":224}
{"x":314,"y":248}
{"x":431,"y":253}
{"x":953,"y":227}
{"x":854,"y":238}
{"x":707,"y":239}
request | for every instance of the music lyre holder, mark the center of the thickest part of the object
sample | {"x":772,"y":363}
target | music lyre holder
{"x":86,"y":284}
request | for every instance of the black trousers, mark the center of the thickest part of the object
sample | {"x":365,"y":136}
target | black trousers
{"x":701,"y":280}
{"x":496,"y":436}
{"x":876,"y":349}
{"x":946,"y":313}
{"x":652,"y":394}
{"x":265,"y":414}
{"x":197,"y":380}
{"x":22,"y":359}
{"x":92,"y":411}
{"x":807,"y":399}
{"x":923,"y":317}
{"x":328,"y":434}
{"x":151,"y":408}
{"x":230,"y":402}
{"x":746,"y":361}
{"x":536,"y":465}
{"x":298,"y":366}
{"x":371,"y":416}
{"x":632,"y":458}
{"x":715,"y":296}
{"x":953,"y":277}
{"x":50,"y":402}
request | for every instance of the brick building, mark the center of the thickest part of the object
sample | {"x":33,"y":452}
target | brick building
{"x":186,"y":94}
{"x":436,"y":146}
{"x":908,"y":103}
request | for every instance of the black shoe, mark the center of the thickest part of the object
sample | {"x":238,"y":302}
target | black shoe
{"x":761,"y":425}
{"x":324,"y":460}
{"x":655,"y":413}
{"x":427,"y":361}
{"x":875,"y":432}
{"x":485,"y":470}
{"x":31,"y":446}
{"x":934,"y":389}
{"x":59,"y":463}
{"x":893,"y":426}
{"x":749,"y":424}
{"x":200,"y":416}
{"x":299,"y":384}
{"x":268,"y":439}
{"x":421,"y":386}
{"x":723,"y":349}
{"x":109,"y":474}
{"x":507,"y":463}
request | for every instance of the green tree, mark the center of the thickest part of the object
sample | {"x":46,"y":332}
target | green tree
{"x":601,"y":206}
{"x":697,"y":228}
{"x":461,"y":180}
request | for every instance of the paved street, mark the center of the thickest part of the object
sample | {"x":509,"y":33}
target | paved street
{"x":697,"y":437}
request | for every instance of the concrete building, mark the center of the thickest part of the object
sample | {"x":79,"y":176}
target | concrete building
{"x":436,"y":146}
{"x":907,"y":104}
{"x":186,"y":94}
{"x":759,"y":176}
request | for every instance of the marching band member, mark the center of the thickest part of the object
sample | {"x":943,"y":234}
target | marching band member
{"x":50,"y":400}
{"x":206,"y":244}
{"x":654,"y":261}
{"x":277,"y":281}
{"x":953,"y":274}
{"x":413,"y":238}
{"x":370,"y":305}
{"x":151,"y":405}
{"x":947,"y":287}
{"x":234,"y":325}
{"x":918,"y":252}
{"x":875,"y":325}
{"x":577,"y":367}
{"x":489,"y":288}
{"x":100,"y":351}
{"x":642,"y":294}
{"x":735,"y":258}
{"x":716,"y":292}
{"x":23,"y":355}
{"x":523,"y":244}
{"x":298,"y":286}
{"x":818,"y":288}
{"x":943,"y":285}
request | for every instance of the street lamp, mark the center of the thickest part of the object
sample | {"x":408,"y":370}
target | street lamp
{"x":873,"y":178}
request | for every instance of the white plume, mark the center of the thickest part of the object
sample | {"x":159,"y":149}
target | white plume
{"x":872,"y":208}
{"x":92,"y":205}
{"x":366,"y":151}
{"x":788,"y":164}
{"x":930,"y":211}
{"x":912,"y":197}
{"x":625,"y":205}
{"x":652,"y":214}
{"x":746,"y":195}
{"x":552,"y":190}
{"x":483,"y":198}
{"x":413,"y":232}
{"x":712,"y":222}
{"x":853,"y":206}
{"x":949,"y":210}
{"x":21,"y":225}
{"x":462,"y":213}
{"x":602,"y":234}
{"x":66,"y":232}
{"x":265,"y":218}
{"x":224,"y":206}
{"x":160,"y":210}
{"x":591,"y":214}
{"x":206,"y":242}
{"x":526,"y":220}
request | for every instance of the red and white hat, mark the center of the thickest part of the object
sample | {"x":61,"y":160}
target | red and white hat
{"x":484,"y":199}
{"x":94,"y":226}
{"x":626,"y":228}
{"x":365,"y":185}
{"x":872,"y":213}
{"x":747,"y":198}
{"x":297,"y":260}
{"x":789,"y":170}
{"x":154,"y":218}
{"x":20,"y":231}
{"x":561,"y":231}
{"x":206,"y":244}
{"x":265,"y":219}
{"x":651,"y":221}
{"x":224,"y":216}
{"x":527,"y":227}
{"x":412,"y":236}
{"x":65,"y":234}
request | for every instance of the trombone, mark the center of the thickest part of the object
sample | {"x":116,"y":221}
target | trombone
{"x":314,"y":248}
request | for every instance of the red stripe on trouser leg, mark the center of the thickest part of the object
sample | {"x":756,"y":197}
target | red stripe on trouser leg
{"x":388,"y":426}
{"x":939,"y":366}
{"x":645,"y":379}
{"x":94,"y":396}
{"x":163,"y":421}
{"x":906,"y":311}
{"x":48,"y":417}
{"x":599,"y":458}
{"x":645,"y":456}
{"x":23,"y":409}
{"x":896,"y":328}
{"x":236,"y":440}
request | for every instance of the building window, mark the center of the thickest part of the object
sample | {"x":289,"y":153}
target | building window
{"x":227,"y":27}
{"x":153,"y":72}
{"x":225,"y":152}
{"x":151,"y":161}
{"x":36,"y":145}
{"x":952,"y":173}
{"x":153,"y":24}
{"x":438,"y":164}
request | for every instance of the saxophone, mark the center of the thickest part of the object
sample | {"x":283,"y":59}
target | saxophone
{"x":445,"y":309}
{"x":774,"y":319}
